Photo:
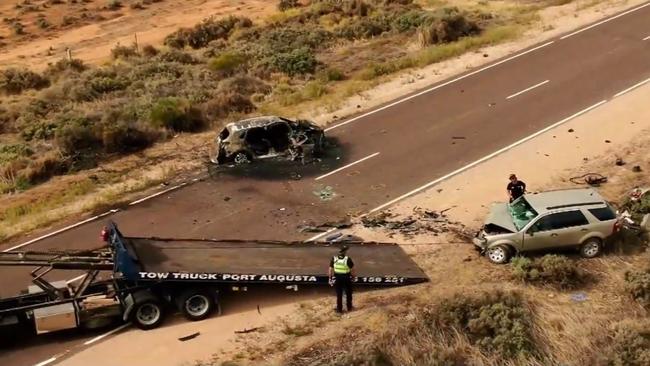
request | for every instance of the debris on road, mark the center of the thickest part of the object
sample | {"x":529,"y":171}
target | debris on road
{"x":620,"y":162}
{"x":188,"y":337}
{"x":636,"y":169}
{"x":570,"y":130}
{"x":248,"y":330}
{"x":325,"y":194}
{"x":422,"y":221}
{"x":592,"y":179}
{"x":321,"y":228}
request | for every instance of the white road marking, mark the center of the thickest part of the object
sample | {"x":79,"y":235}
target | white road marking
{"x":485,"y":158}
{"x":316,"y":237}
{"x":157,"y":194}
{"x":46,"y":362}
{"x":631,"y":88}
{"x":347,"y":166}
{"x":528,"y":89}
{"x":437,"y":86}
{"x":60,"y":230}
{"x":102,"y":336}
{"x":646,"y":38}
{"x":75,"y":279}
{"x":606,"y":20}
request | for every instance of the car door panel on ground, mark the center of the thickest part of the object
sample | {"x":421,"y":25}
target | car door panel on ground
{"x":556,"y":230}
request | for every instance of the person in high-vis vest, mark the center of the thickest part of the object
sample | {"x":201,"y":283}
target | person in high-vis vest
{"x":341,"y":273}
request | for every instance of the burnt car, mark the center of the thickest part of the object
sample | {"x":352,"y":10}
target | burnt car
{"x":265,"y":137}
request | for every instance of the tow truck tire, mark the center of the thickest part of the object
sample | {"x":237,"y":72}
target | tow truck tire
{"x":196,"y":304}
{"x":148,"y":314}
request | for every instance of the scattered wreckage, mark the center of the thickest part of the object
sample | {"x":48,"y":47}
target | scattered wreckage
{"x":548,"y":220}
{"x":268,"y":137}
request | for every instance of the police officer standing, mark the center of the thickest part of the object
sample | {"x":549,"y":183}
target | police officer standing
{"x":341,"y":273}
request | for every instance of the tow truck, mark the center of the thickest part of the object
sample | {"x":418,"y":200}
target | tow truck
{"x":140,"y":280}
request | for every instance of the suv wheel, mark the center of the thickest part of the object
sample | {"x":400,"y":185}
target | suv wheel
{"x":499,"y":254}
{"x":591,"y":248}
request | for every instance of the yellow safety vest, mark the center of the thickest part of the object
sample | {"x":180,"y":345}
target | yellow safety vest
{"x":341,"y":265}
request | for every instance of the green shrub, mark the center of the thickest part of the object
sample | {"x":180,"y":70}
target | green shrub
{"x":149,"y":51}
{"x":76,"y":134}
{"x":124,"y":52}
{"x":12,"y":152}
{"x":298,"y":61}
{"x":176,"y":115}
{"x":207,"y":31}
{"x":555,"y":270}
{"x":177,"y":56}
{"x":630,"y":345}
{"x":637,"y":284}
{"x":42,"y":23}
{"x":244,"y":84}
{"x":288,"y":4}
{"x":124,"y":137}
{"x":15,"y":81}
{"x":227,"y":63}
{"x":497,"y":322}
{"x":450,"y":28}
{"x":65,"y":65}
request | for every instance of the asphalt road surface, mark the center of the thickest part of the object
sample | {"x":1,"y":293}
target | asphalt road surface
{"x":384,"y":155}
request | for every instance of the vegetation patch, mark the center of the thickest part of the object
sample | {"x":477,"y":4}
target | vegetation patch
{"x":638,"y":286}
{"x":629,"y":345}
{"x":553,"y":270}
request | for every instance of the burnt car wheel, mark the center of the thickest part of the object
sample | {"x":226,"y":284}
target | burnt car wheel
{"x":591,"y":248}
{"x":499,"y":254}
{"x":241,"y":158}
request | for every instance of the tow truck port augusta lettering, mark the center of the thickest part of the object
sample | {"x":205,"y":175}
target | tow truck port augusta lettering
{"x":253,"y":278}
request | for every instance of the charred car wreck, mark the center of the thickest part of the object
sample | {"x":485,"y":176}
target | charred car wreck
{"x":268,"y":137}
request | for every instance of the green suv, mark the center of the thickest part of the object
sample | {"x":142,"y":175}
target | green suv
{"x":578,"y":218}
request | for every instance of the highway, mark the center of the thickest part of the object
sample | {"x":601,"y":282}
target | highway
{"x":389,"y":153}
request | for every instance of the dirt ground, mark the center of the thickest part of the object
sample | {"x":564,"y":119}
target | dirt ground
{"x":91,"y":38}
{"x":545,"y":162}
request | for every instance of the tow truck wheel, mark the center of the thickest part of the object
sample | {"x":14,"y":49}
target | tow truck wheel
{"x":148,"y":314}
{"x":196,"y":304}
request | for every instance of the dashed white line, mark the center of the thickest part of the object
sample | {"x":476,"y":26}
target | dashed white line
{"x":102,"y":336}
{"x":528,"y":89}
{"x":605,"y":21}
{"x":631,"y":88}
{"x":485,"y":158}
{"x":438,"y":86}
{"x":46,"y":362}
{"x":60,"y":230}
{"x":347,"y":166}
{"x":75,"y":279}
{"x":157,"y":194}
{"x":646,"y":38}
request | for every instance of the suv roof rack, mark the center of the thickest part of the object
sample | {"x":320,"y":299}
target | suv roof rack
{"x":576,"y":204}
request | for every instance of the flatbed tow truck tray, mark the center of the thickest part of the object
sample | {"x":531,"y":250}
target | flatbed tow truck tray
{"x":264,"y":261}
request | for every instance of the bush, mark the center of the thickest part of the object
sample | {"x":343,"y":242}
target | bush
{"x":244,"y":84}
{"x":497,"y":322}
{"x":227,"y":63}
{"x":637,"y":283}
{"x":64,"y":65}
{"x":124,"y":137}
{"x":114,"y":5}
{"x":15,"y":81}
{"x":630,"y":345}
{"x":42,"y":23}
{"x":149,"y":51}
{"x":330,"y":74}
{"x":176,"y":115}
{"x":450,"y":28}
{"x":177,"y":56}
{"x":288,"y":4}
{"x":207,"y":31}
{"x":12,"y":152}
{"x":124,"y":52}
{"x":226,"y":103}
{"x":76,"y":134}
{"x":554,"y":270}
{"x":44,"y":167}
{"x":298,"y":61}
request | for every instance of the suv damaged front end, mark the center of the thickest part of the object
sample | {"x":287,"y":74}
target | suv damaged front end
{"x":498,"y":227}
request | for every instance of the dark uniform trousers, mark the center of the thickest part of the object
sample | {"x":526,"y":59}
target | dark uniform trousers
{"x":343,"y":282}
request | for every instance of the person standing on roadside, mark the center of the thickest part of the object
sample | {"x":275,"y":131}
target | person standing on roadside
{"x":516,"y":188}
{"x":341,"y":273}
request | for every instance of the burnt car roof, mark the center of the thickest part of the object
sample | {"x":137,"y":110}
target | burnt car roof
{"x":255,"y":122}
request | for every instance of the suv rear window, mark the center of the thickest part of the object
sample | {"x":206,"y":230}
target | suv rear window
{"x":603,"y":214}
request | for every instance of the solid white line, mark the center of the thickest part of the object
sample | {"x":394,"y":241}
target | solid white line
{"x":437,"y":87}
{"x":528,"y":89}
{"x":347,"y":166}
{"x":157,"y":194}
{"x":485,"y":158}
{"x":646,"y":38}
{"x":61,"y":230}
{"x":102,"y":336}
{"x":46,"y":362}
{"x":631,"y":88}
{"x":606,"y":20}
{"x":316,"y":237}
